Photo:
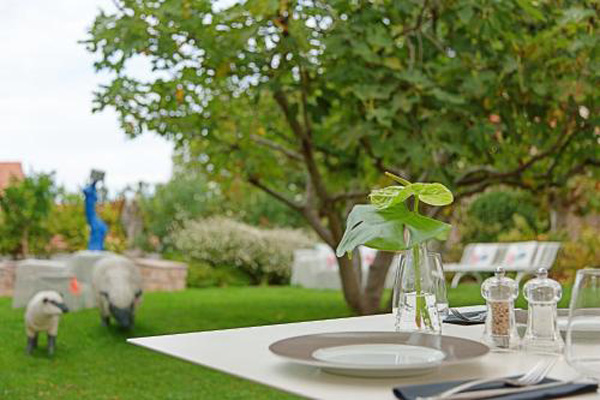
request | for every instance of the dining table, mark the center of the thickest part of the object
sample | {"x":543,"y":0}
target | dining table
{"x":244,"y":352}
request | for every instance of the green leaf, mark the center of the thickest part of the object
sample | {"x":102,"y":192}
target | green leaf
{"x":531,"y":10}
{"x":446,"y":97}
{"x":465,"y":14}
{"x":262,"y":7}
{"x":575,"y":15}
{"x":388,"y":196}
{"x":384,"y":229}
{"x":434,"y":194}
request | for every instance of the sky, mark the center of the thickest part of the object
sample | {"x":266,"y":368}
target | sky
{"x":46,"y":85}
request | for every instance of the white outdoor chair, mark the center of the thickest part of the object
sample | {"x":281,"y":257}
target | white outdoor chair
{"x":477,"y":258}
{"x":519,"y":256}
{"x":546,"y":255}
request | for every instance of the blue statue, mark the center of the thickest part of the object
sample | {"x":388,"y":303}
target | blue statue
{"x":98,"y":228}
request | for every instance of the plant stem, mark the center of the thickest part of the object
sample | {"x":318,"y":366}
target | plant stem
{"x":418,"y":306}
{"x":397,"y":178}
{"x":417,"y":261}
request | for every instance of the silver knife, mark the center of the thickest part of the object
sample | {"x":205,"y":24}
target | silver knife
{"x":485,"y":394}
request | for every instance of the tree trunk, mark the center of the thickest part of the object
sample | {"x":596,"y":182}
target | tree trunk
{"x":351,"y":285}
{"x":376,"y":281}
{"x":368,"y":300}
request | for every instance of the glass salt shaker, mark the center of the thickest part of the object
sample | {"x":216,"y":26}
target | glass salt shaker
{"x":542,"y":294}
{"x":500,"y":293}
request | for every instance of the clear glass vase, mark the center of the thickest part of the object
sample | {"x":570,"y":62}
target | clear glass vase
{"x":416,"y":292}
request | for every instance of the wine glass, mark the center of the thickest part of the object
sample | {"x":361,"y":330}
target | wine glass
{"x":583,"y":332}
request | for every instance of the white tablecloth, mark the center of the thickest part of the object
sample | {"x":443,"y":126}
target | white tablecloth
{"x":244,"y":352}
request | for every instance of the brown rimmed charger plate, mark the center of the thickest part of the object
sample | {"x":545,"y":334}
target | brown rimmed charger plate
{"x":309,"y":350}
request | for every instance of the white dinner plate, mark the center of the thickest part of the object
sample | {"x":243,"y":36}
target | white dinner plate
{"x":377,"y":354}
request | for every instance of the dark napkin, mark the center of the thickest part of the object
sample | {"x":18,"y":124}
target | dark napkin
{"x":413,"y":391}
{"x":453,"y":319}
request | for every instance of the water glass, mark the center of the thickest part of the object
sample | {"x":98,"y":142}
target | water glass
{"x":416,"y":292}
{"x":583,"y":332}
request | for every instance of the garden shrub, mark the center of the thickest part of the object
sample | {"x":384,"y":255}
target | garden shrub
{"x":578,"y":254}
{"x":265,"y":255}
{"x":68,"y":225}
{"x":191,"y":195}
{"x":202,"y":275}
{"x":495,"y":213}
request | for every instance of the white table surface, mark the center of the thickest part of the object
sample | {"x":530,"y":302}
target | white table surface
{"x":244,"y":352}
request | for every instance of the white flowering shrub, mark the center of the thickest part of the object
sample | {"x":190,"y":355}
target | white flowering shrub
{"x":264,"y":254}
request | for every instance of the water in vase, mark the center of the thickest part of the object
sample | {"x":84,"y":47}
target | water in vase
{"x":409,"y":319}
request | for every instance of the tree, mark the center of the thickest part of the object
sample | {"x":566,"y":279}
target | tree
{"x":67,"y":221}
{"x":310,"y":101}
{"x":184,"y":197}
{"x":26,"y":205}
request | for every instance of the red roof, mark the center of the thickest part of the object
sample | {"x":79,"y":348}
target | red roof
{"x":8,"y":171}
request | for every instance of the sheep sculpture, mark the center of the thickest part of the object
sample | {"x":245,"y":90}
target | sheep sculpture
{"x":117,"y":286}
{"x":43,"y":315}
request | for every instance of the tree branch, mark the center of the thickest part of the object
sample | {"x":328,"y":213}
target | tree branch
{"x":349,"y":196}
{"x":277,"y":147}
{"x":306,"y":144}
{"x":279,"y":196}
{"x":312,"y":216}
{"x":304,"y":87}
{"x":378,"y":161}
{"x":489,"y":174}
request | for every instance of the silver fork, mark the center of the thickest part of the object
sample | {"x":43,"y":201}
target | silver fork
{"x":533,"y":377}
{"x":463,"y":317}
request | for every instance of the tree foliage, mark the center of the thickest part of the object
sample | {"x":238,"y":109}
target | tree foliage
{"x":191,"y":195}
{"x":310,"y":101}
{"x":26,"y":205}
{"x":497,"y":212}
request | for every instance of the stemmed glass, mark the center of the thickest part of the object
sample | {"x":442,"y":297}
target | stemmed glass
{"x":583,"y":332}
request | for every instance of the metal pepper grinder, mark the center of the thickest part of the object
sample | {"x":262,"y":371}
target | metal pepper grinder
{"x":500,"y":293}
{"x":542,"y":294}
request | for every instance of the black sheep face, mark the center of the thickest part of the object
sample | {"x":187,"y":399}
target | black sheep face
{"x":54,"y":306}
{"x":123,"y":316}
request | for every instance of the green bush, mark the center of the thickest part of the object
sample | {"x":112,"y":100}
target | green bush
{"x":577,"y":254}
{"x":265,"y":255}
{"x":24,"y":209}
{"x":184,"y":197}
{"x":67,"y":224}
{"x":191,"y":196}
{"x":202,"y":275}
{"x":493,"y":214}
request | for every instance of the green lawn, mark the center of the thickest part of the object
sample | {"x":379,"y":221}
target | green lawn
{"x":93,"y":362}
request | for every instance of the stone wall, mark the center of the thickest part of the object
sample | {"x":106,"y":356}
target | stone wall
{"x":7,"y":278}
{"x":162,"y":275}
{"x":157,"y":275}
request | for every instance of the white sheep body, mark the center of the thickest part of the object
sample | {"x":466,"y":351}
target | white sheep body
{"x":116,"y":280}
{"x":41,"y":316}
